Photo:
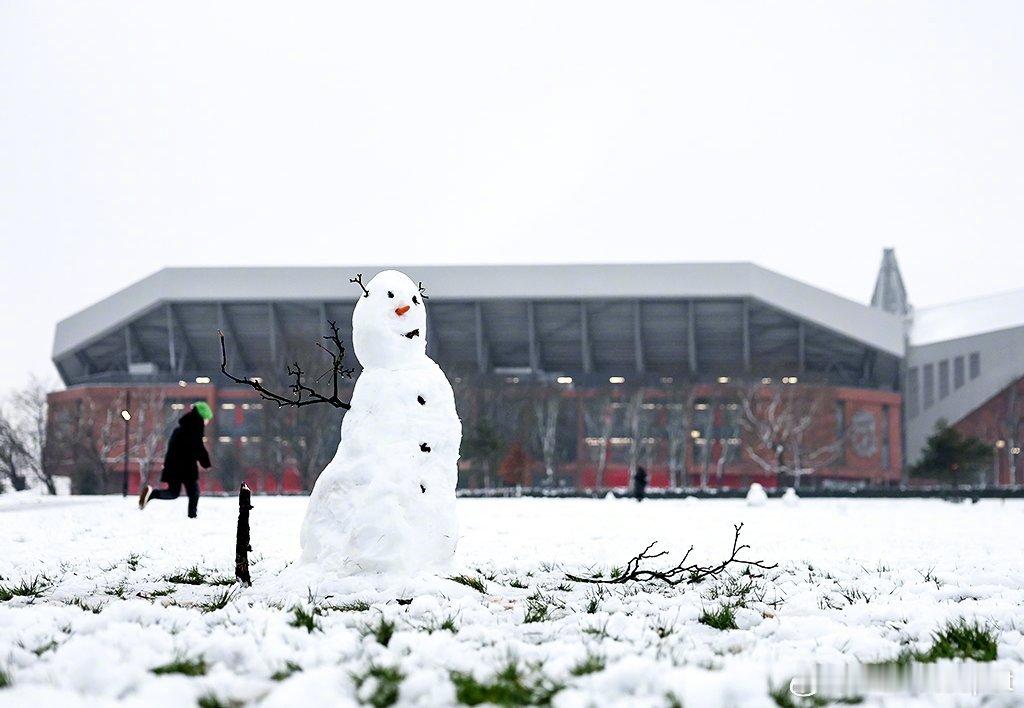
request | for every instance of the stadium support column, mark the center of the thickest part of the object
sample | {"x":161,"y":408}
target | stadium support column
{"x":322,"y":314}
{"x":691,"y":336}
{"x":272,"y":328}
{"x":801,"y":334}
{"x":638,"y":336}
{"x":531,"y":328}
{"x":173,"y":325}
{"x":172,"y":353}
{"x":225,"y":325}
{"x":128,"y":348}
{"x":586,"y":354}
{"x":433,"y":343}
{"x":746,"y":336}
{"x":482,"y":358}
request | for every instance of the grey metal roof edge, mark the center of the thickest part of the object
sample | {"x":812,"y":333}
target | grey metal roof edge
{"x":645,"y":280}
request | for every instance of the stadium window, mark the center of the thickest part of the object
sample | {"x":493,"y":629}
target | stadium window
{"x":975,"y":364}
{"x":943,"y":378}
{"x":929,"y":385}
{"x":958,"y":372}
{"x":913,"y":397}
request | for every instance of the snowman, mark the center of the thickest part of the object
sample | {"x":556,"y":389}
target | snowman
{"x":385,"y":505}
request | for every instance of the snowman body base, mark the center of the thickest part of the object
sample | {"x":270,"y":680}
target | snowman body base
{"x":386,"y":502}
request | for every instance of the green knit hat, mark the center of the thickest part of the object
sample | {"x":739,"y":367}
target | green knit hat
{"x":203,"y":409}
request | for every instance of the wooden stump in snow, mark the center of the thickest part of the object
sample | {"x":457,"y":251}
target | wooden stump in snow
{"x":242,"y":545}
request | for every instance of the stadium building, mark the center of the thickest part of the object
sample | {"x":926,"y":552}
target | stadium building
{"x":713,"y":374}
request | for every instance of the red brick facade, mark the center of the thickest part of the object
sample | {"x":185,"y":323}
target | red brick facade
{"x":1000,"y":422}
{"x":862,"y":425}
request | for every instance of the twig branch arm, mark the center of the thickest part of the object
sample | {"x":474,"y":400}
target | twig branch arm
{"x":681,"y":572}
{"x":302,"y":395}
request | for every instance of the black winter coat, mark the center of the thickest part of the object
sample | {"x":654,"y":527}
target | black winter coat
{"x":185,"y":451}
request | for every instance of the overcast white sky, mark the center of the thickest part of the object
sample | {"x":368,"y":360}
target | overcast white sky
{"x":801,"y":136}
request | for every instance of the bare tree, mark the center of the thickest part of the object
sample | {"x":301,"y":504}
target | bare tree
{"x":638,"y":419}
{"x":23,"y":438}
{"x":781,"y":421}
{"x":545,"y":419}
{"x":307,"y":437}
{"x":599,"y":416}
{"x":12,"y":456}
{"x":496,"y":426}
{"x":151,"y":416}
{"x":679,"y":422}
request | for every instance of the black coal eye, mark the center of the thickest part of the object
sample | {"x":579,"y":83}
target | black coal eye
{"x":390,"y":294}
{"x":415,"y":300}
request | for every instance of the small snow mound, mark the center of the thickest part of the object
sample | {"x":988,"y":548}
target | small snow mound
{"x":691,"y":500}
{"x":789,"y":498}
{"x":756,"y":496}
{"x":610,"y":496}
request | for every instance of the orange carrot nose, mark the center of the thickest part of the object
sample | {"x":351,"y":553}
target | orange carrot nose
{"x":401,"y":310}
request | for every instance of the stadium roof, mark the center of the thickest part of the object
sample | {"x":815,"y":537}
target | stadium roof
{"x":875,"y":328}
{"x":968,"y":318}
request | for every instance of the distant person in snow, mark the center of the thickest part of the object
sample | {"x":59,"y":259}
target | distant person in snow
{"x":640,"y":483}
{"x":185,"y":453}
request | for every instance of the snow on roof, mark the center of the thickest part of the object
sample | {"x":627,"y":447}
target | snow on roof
{"x":967,"y":318}
{"x":881,"y":330}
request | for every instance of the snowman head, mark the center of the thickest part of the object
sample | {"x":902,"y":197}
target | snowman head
{"x":389,"y":325}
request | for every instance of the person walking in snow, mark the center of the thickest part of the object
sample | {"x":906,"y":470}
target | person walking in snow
{"x":640,"y":483}
{"x":185,"y":453}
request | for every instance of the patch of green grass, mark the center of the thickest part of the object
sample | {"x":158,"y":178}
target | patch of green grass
{"x":447,"y":624}
{"x":517,"y":583}
{"x":5,"y":679}
{"x":355,"y":606}
{"x":962,"y":640}
{"x":210,"y":700}
{"x":192,"y":576}
{"x":386,"y":686}
{"x":564,"y":587}
{"x":182,"y":665}
{"x":43,"y":648}
{"x":664,"y":631}
{"x":469,"y":581}
{"x":120,"y":590}
{"x":591,"y":664}
{"x":594,"y":598}
{"x":853,"y":595}
{"x":153,"y":594}
{"x":26,"y":588}
{"x":509,"y":687}
{"x":722,"y":618}
{"x":600,"y":632}
{"x":218,"y":601}
{"x":784,"y":698}
{"x":290,"y":667}
{"x":538,"y":609}
{"x":739,"y":590}
{"x":305,"y":619}
{"x":82,"y":604}
{"x":615,"y":573}
{"x":382,"y":631}
{"x":133,"y":562}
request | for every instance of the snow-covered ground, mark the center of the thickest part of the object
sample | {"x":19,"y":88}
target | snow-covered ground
{"x":102,"y":604}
